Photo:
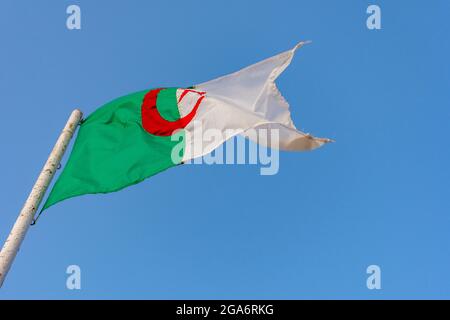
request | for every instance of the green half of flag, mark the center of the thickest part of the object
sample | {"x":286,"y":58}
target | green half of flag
{"x":113,"y":150}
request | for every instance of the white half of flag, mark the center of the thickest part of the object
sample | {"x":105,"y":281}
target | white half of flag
{"x":244,"y":100}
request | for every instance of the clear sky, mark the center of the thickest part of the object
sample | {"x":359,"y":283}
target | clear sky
{"x":379,"y":195}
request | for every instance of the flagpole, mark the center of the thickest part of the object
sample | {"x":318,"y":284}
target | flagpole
{"x":20,"y":228}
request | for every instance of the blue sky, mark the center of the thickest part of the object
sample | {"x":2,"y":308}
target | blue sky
{"x":379,"y":195}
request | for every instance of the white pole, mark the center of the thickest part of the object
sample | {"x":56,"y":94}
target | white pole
{"x":20,"y":228}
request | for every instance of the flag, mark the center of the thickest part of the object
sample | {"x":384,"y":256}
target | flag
{"x":138,"y":135}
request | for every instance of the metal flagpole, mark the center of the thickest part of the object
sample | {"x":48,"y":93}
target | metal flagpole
{"x":20,"y":228}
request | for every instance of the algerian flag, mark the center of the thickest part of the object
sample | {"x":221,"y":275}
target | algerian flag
{"x":136,"y":136}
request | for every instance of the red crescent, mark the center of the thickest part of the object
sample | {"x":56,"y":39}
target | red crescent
{"x":155,"y":124}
